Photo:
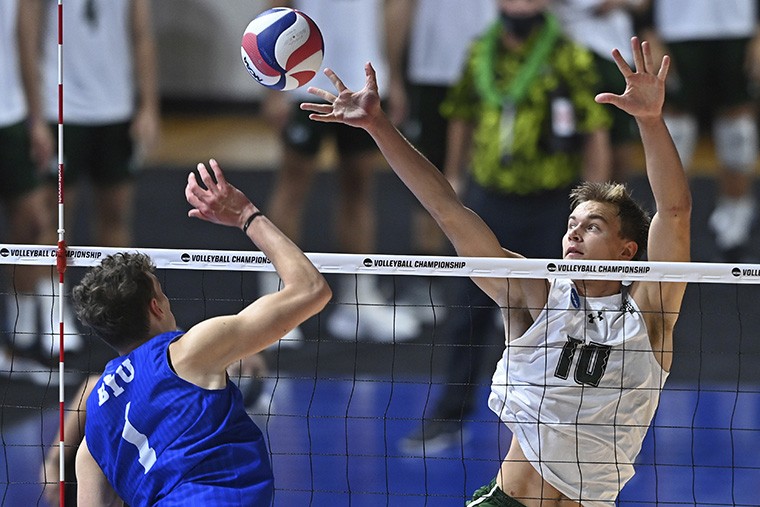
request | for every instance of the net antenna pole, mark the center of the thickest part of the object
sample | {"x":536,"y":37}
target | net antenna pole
{"x":61,"y":267}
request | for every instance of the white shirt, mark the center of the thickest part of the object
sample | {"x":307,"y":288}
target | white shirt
{"x":12,"y":99}
{"x":98,"y":78}
{"x":599,"y":33}
{"x":679,"y":20}
{"x":354,"y":34}
{"x":440,"y":36}
{"x":579,"y":389}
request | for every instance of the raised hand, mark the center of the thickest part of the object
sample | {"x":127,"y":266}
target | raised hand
{"x":218,"y":203}
{"x":357,"y":109}
{"x":644,"y":93}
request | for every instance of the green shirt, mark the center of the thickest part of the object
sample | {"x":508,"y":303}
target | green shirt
{"x":533,"y":165}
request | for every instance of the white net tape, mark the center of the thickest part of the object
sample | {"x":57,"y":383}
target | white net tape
{"x":231,"y":260}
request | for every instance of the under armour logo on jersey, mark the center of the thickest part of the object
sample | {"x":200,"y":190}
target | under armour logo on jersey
{"x":627,"y":307}
{"x":594,"y":317}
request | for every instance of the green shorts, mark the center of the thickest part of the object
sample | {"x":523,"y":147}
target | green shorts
{"x":305,"y":136}
{"x":710,"y":73}
{"x":102,"y":153}
{"x":17,"y":171}
{"x":492,"y":496}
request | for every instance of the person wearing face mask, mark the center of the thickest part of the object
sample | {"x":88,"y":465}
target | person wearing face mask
{"x":523,"y":130}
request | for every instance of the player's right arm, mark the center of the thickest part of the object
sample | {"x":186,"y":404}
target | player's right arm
{"x":93,"y":489}
{"x":468,"y":233}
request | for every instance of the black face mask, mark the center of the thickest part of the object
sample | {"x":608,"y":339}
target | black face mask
{"x":522,"y":26}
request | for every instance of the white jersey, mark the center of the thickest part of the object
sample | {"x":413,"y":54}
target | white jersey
{"x":579,"y":389}
{"x":599,"y":33}
{"x":680,"y":20}
{"x":12,"y":100}
{"x":98,"y":82}
{"x":440,"y":35}
{"x":354,"y":34}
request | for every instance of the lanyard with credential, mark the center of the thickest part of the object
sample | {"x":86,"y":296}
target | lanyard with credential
{"x":485,"y":78}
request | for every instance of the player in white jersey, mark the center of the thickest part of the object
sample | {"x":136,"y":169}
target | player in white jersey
{"x":560,"y":455}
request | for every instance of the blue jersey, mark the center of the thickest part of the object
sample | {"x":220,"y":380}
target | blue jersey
{"x":161,"y":440}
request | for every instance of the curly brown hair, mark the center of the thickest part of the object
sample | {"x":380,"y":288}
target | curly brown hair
{"x":634,"y":220}
{"x":113,"y":299}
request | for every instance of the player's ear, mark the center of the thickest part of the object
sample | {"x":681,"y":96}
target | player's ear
{"x":155,"y":309}
{"x":629,"y":250}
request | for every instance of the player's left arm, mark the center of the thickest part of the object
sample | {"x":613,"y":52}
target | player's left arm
{"x":93,"y":489}
{"x":145,"y":125}
{"x":669,"y":233}
{"x":670,"y":230}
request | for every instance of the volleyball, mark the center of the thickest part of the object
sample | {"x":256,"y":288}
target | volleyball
{"x":282,"y":48}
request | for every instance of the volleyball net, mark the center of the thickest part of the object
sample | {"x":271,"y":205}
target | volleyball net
{"x":340,"y":410}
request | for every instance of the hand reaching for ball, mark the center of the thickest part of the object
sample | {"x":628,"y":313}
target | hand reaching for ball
{"x":357,"y":109}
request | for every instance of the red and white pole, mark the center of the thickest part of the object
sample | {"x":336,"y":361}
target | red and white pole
{"x":61,"y":266}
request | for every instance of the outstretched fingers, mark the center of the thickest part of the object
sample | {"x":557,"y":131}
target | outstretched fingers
{"x":370,"y":76}
{"x":218,"y":174}
{"x":194,"y":195}
{"x":322,"y":94}
{"x":206,"y":177}
{"x":648,"y":60}
{"x":336,"y":81}
{"x":320,"y":112}
{"x":638,"y":57}
{"x":662,"y":74}
{"x":622,"y":65}
{"x":317,"y":108}
{"x":643,"y":58}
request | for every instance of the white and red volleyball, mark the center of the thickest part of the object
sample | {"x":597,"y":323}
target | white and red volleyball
{"x":282,"y":48}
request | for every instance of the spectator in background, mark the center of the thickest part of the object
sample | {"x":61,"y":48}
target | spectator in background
{"x":111,"y":108}
{"x":525,"y":105}
{"x":353,"y":34}
{"x":600,"y":25}
{"x":715,"y":50}
{"x":426,"y":56}
{"x":22,"y":197}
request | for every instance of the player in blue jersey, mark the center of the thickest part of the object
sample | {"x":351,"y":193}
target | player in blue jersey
{"x":165,"y":425}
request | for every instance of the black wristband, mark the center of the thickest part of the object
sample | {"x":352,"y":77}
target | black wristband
{"x":251,"y":219}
